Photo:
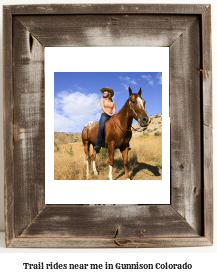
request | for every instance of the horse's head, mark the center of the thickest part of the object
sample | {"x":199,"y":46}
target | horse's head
{"x":137,"y":106}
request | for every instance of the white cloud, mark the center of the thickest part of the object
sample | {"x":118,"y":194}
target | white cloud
{"x":73,"y":110}
{"x":149,"y":78}
{"x":125,"y":86}
{"x":124,"y":78}
{"x":132,"y":81}
{"x":159,"y":77}
{"x":79,"y":88}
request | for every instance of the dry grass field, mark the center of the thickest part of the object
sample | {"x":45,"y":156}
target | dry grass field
{"x":144,"y":160}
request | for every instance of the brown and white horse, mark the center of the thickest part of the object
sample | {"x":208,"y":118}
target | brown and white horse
{"x":117,"y":132}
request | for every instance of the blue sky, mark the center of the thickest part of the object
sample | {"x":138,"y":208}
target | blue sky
{"x":77,"y":95}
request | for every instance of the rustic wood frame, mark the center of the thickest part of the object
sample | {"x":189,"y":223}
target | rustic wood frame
{"x":188,"y":220}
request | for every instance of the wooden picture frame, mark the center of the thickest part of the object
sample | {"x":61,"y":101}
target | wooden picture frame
{"x":186,"y":30}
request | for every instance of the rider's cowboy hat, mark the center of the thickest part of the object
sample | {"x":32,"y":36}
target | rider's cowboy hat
{"x":107,"y":89}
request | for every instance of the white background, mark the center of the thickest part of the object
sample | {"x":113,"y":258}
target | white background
{"x":203,"y":258}
{"x":139,"y":59}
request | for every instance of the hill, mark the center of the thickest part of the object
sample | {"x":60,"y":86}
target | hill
{"x":66,"y":138}
{"x":155,"y":128}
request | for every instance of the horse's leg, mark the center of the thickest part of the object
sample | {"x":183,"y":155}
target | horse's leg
{"x":86,"y":159}
{"x":111,"y":148}
{"x":125,"y":160}
{"x":94,"y":163}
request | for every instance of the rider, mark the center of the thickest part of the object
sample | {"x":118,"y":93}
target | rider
{"x":108,"y":110}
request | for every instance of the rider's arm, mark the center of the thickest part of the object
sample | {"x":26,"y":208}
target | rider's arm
{"x":103,"y":107}
{"x":114,"y":109}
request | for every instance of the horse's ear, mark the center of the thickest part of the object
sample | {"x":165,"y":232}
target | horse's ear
{"x":140,"y":92}
{"x":130,"y":91}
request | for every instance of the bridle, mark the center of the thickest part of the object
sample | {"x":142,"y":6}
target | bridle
{"x":131,"y":108}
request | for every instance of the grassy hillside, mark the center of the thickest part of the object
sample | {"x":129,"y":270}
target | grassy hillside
{"x":66,"y":138}
{"x":155,"y":128}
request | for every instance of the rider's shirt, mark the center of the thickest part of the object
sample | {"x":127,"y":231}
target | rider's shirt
{"x":108,"y":104}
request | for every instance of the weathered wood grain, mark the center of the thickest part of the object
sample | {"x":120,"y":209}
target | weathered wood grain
{"x":208,"y":183}
{"x":186,"y":29}
{"x":107,"y":30}
{"x":207,"y":118}
{"x":186,"y":133}
{"x":106,"y":9}
{"x":69,"y":242}
{"x":109,"y":222}
{"x":207,"y":66}
{"x":29,"y":133}
{"x":8,"y":125}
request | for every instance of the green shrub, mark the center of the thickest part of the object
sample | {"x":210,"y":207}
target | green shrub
{"x":145,"y":133}
{"x":70,"y":152}
{"x":103,"y":153}
{"x":57,"y":148}
{"x":158,"y":133}
{"x":159,"y":165}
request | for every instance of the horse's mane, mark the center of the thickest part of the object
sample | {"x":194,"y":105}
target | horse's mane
{"x":123,"y":107}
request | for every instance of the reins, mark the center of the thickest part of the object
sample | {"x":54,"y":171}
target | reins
{"x":128,"y":129}
{"x":138,"y":130}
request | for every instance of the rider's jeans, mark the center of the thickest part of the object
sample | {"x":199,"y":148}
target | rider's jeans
{"x":104,"y":117}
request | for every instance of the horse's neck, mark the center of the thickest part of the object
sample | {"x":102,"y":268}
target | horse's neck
{"x":123,"y":116}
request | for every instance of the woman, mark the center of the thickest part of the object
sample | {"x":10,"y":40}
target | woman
{"x":108,"y":110}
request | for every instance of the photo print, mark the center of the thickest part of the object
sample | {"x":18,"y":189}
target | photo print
{"x":107,"y":126}
{"x":136,"y":124}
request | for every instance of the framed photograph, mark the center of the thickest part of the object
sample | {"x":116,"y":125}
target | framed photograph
{"x":58,"y":60}
{"x":75,"y":105}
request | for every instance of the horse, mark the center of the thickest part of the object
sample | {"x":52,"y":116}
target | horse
{"x":117,"y":132}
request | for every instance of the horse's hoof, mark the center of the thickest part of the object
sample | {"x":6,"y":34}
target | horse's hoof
{"x":110,"y":178}
{"x":96,"y":173}
{"x":127,"y":179}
